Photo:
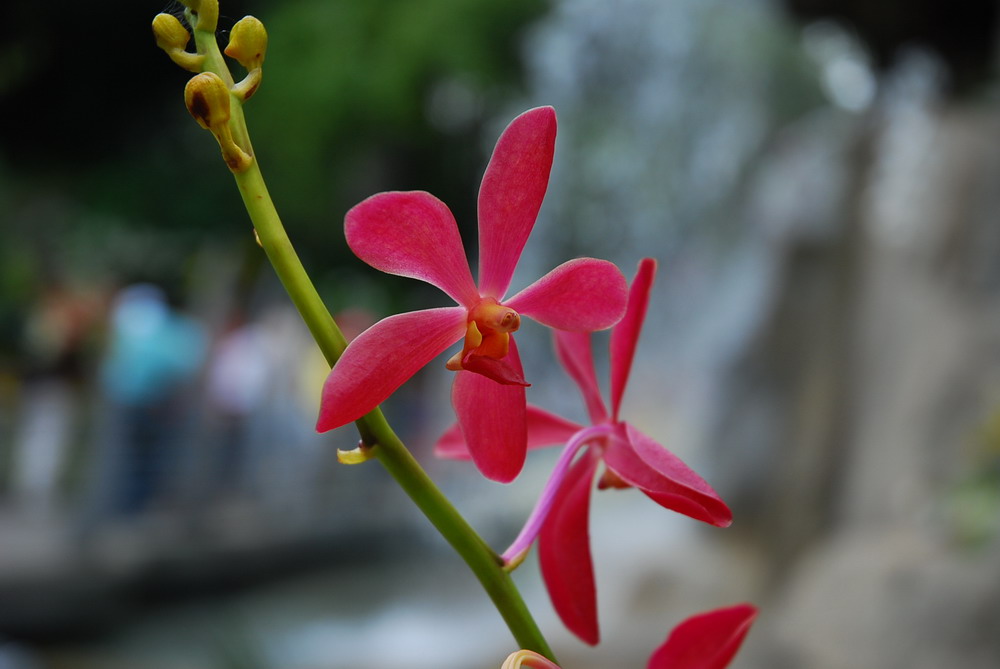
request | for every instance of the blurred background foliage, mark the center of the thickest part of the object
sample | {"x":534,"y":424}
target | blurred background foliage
{"x":358,"y":94}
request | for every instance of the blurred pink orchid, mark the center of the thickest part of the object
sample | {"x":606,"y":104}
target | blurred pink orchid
{"x":631,"y":459}
{"x":414,"y":234}
{"x":707,"y":640}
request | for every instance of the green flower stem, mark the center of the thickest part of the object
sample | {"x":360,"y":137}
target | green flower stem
{"x":375,"y":430}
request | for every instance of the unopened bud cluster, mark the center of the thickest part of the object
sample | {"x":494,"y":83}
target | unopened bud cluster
{"x":210,"y":95}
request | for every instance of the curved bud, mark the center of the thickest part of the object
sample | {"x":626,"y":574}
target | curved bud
{"x":248,"y":42}
{"x":207,"y":98}
{"x":207,"y":13}
{"x":172,"y":37}
{"x":170,"y":33}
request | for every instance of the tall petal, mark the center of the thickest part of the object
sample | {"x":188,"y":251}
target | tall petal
{"x":544,"y":429}
{"x":625,"y":335}
{"x":573,"y":349}
{"x":412,"y":234}
{"x":564,"y":552}
{"x":582,"y":294}
{"x":382,"y":358}
{"x":647,"y":465}
{"x":511,"y":194}
{"x":493,"y":421}
{"x":705,"y":641}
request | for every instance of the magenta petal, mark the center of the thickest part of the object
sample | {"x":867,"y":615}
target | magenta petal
{"x":582,"y":294}
{"x":412,"y":234}
{"x":573,"y":349}
{"x":647,"y":465}
{"x":544,"y":429}
{"x":451,"y":445}
{"x":382,"y":358}
{"x":548,"y":429}
{"x":511,"y":194}
{"x":625,"y":335}
{"x":493,"y":421}
{"x":705,"y":641}
{"x":564,"y":552}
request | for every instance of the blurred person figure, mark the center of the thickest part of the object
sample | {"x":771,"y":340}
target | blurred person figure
{"x":154,"y":355}
{"x":55,"y":354}
{"x":239,"y":374}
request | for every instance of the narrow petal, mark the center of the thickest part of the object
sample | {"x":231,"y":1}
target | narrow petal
{"x":564,"y":552}
{"x":625,"y":335}
{"x":382,"y":358}
{"x":582,"y":294}
{"x":511,"y":194}
{"x":647,"y":465}
{"x":574,"y":351}
{"x":548,"y":429}
{"x":493,"y":421}
{"x":705,"y":641}
{"x":544,"y":429}
{"x":412,"y":234}
{"x":539,"y":515}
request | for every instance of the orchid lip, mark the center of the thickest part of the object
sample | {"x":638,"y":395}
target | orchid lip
{"x":490,"y":325}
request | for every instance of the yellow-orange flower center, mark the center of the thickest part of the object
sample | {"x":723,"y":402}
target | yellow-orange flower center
{"x":488,"y":332}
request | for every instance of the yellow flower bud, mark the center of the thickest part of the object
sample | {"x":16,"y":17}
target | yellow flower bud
{"x":206,"y":11}
{"x":172,"y":37}
{"x":170,"y":33}
{"x":248,"y":42}
{"x":207,"y":98}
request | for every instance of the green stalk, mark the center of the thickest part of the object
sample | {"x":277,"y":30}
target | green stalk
{"x":377,"y":436}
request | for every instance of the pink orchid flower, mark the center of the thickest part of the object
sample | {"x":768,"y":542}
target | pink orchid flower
{"x":414,"y":234}
{"x":707,"y":640}
{"x":631,"y":459}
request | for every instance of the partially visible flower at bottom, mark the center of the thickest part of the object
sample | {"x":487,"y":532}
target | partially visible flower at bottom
{"x":706,"y":640}
{"x":529,"y":659}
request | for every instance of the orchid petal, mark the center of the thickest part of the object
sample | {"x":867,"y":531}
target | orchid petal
{"x":511,"y":195}
{"x":412,"y":234}
{"x":382,"y":358}
{"x":574,"y":351}
{"x":582,"y":294}
{"x":625,"y":335}
{"x":550,"y":493}
{"x":705,"y":641}
{"x":548,"y":429}
{"x":647,"y":465}
{"x":451,"y":445}
{"x":544,"y":429}
{"x":564,"y":552}
{"x":493,"y":421}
